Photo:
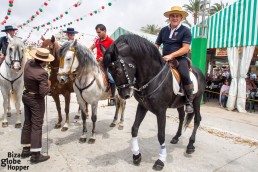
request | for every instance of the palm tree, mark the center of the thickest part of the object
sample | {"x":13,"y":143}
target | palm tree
{"x":151,"y":29}
{"x":194,"y":8}
{"x":217,"y":7}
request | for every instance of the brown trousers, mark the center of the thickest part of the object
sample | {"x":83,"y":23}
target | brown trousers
{"x":34,"y":110}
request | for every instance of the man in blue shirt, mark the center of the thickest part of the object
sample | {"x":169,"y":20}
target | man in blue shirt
{"x":176,"y":40}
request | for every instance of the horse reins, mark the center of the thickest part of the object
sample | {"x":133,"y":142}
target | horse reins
{"x":131,"y":84}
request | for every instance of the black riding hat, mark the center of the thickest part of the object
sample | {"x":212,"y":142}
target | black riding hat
{"x":9,"y":27}
{"x":70,"y":30}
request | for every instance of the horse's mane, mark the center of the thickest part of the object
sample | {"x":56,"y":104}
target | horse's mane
{"x":139,"y":46}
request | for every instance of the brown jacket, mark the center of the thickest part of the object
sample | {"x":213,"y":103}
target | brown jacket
{"x":36,"y":79}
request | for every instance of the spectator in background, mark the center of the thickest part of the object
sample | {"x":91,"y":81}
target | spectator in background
{"x":224,"y":94}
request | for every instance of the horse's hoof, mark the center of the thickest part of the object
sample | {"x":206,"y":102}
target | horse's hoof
{"x":18,"y":125}
{"x":174,"y":141}
{"x":64,"y":129}
{"x":190,"y":150}
{"x":120,"y":127}
{"x":158,"y":166}
{"x":91,"y":141}
{"x":57,"y":126}
{"x":4,"y":124}
{"x":77,"y":117}
{"x":9,"y":114}
{"x":112,"y":125}
{"x":137,"y":159}
{"x":82,"y":140}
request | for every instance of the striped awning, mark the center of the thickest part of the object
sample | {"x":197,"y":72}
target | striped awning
{"x":234,"y":26}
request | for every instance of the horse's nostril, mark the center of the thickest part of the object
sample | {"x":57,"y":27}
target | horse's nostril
{"x":127,"y":96}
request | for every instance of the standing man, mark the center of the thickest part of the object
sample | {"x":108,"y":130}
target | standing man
{"x":37,"y":86}
{"x":70,"y":32}
{"x":4,"y":41}
{"x":176,"y":39}
{"x":105,"y":41}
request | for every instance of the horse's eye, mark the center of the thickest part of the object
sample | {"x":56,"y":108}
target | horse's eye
{"x":11,"y":49}
{"x":69,"y":59}
{"x":119,"y":71}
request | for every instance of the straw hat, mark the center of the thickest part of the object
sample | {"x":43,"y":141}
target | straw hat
{"x":176,"y":10}
{"x":42,"y":54}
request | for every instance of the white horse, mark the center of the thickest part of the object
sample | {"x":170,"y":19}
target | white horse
{"x":89,"y":84}
{"x":11,"y":78}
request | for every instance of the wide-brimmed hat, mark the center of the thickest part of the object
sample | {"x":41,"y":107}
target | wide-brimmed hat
{"x":177,"y":10}
{"x":9,"y":27}
{"x":70,"y":30}
{"x":42,"y":54}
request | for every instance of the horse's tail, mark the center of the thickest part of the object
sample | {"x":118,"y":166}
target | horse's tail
{"x":188,"y":119}
{"x":13,"y":97}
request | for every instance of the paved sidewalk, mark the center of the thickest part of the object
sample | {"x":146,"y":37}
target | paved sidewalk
{"x":226,"y":141}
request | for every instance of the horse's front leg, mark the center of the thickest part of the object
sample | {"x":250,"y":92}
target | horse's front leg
{"x":181,"y":114}
{"x":67,"y":106}
{"x":9,"y":114}
{"x":83,"y":137}
{"x":159,"y":164}
{"x":18,"y":107}
{"x":58,"y":108}
{"x":122,"y":111}
{"x":197,"y":119}
{"x":5,"y":105}
{"x":114,"y":122}
{"x":140,"y":114}
{"x":94,"y":108}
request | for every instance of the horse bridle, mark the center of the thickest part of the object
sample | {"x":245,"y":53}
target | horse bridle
{"x":122,"y":63}
{"x":70,"y":73}
{"x":14,"y":60}
{"x":131,"y":84}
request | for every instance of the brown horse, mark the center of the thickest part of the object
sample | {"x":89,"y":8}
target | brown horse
{"x":56,"y":87}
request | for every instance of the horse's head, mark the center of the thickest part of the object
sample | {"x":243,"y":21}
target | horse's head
{"x":51,"y":45}
{"x":68,"y":62}
{"x":121,"y":65}
{"x":15,"y":54}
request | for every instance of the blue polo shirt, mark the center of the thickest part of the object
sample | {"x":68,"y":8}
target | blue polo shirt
{"x":181,"y":35}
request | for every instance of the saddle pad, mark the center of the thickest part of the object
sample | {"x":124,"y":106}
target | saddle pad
{"x":176,"y":86}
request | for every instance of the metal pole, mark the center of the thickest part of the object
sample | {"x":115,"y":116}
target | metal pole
{"x":47,"y":124}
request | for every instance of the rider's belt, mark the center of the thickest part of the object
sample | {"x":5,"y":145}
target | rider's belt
{"x":28,"y":92}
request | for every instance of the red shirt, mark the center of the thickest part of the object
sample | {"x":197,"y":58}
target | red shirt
{"x":106,"y":43}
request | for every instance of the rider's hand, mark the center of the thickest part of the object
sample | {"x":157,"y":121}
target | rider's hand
{"x":49,"y":83}
{"x":168,"y":57}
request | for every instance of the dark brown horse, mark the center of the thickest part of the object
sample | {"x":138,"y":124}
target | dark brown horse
{"x":56,"y":87}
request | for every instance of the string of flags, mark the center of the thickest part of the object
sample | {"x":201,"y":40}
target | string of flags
{"x":9,"y":11}
{"x":37,"y":13}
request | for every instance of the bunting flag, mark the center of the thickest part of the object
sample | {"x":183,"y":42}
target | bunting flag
{"x":9,"y":10}
{"x":80,"y":18}
{"x":37,"y":13}
{"x":59,"y":17}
